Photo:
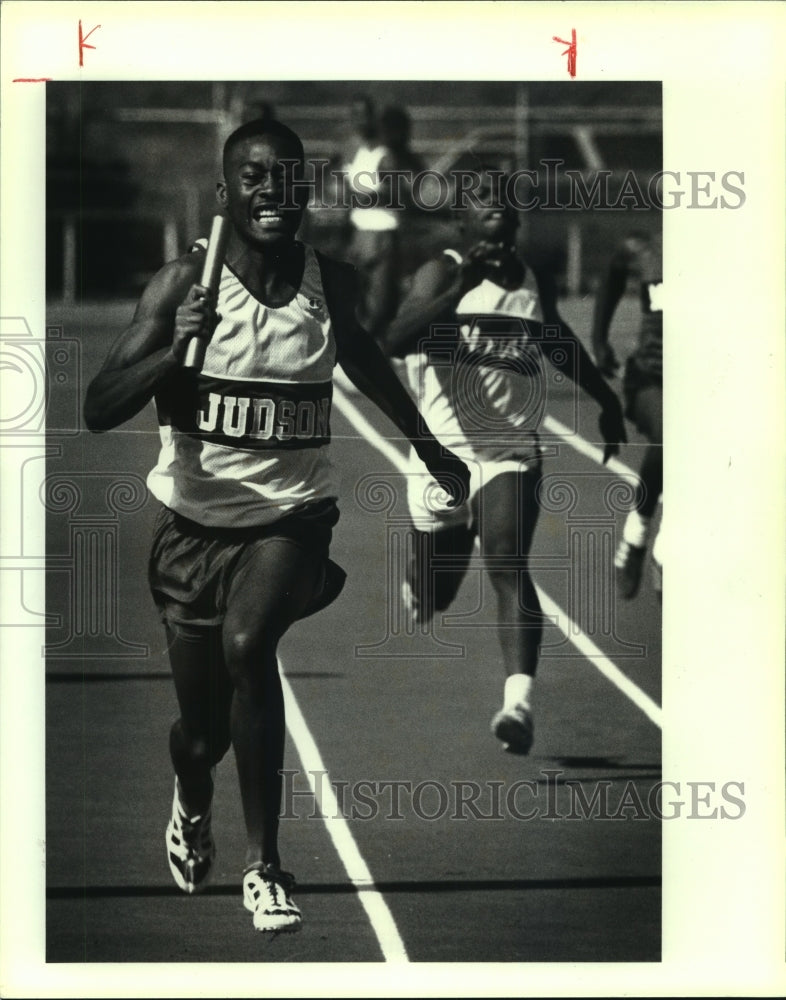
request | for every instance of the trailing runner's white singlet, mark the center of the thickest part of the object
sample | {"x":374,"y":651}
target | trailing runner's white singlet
{"x":485,"y":400}
{"x":243,"y":442}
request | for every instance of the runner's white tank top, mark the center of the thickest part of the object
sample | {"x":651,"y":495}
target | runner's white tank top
{"x":244,"y":441}
{"x":488,"y":407}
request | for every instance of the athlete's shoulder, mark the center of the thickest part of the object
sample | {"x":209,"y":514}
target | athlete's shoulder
{"x":169,"y":285}
{"x":445,"y":261}
{"x":439,"y":270}
{"x":187,"y":267}
{"x":338,"y":276}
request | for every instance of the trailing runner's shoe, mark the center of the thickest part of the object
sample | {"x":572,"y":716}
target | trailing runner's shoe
{"x":628,"y":564}
{"x":190,"y":847}
{"x":266,"y":892}
{"x":515,"y":728}
{"x":410,"y":605}
{"x":657,"y":563}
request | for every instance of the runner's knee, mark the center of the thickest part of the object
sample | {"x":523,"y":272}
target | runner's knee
{"x":251,"y":662}
{"x":505,"y":542}
{"x":246,"y":648}
{"x":511,"y":575}
{"x":197,"y":750}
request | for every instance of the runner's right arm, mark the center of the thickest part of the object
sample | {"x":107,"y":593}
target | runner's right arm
{"x":436,"y":291}
{"x":437,"y":288}
{"x":172,"y":309}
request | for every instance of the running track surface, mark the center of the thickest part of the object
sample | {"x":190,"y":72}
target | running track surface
{"x":478,"y":858}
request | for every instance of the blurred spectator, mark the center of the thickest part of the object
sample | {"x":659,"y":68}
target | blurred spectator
{"x":395,"y":132}
{"x":258,"y":110}
{"x":373,"y":241}
{"x":398,"y":168}
{"x":379,"y":179}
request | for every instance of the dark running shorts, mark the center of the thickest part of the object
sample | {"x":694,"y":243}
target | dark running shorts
{"x":192,"y":566}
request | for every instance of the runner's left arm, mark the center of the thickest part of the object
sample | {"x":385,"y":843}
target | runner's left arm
{"x":568,"y":355}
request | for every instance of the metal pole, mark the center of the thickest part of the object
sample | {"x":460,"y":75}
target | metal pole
{"x":69,"y":259}
{"x":521,"y":144}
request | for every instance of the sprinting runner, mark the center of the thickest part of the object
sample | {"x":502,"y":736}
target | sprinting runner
{"x":641,"y":257}
{"x":485,"y":401}
{"x":247,"y":488}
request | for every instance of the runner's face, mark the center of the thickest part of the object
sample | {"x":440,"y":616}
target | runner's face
{"x":493,"y":219}
{"x":258,"y":191}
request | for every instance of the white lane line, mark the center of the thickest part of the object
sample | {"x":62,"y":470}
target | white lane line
{"x":610,"y":671}
{"x":366,"y":428}
{"x":572,"y":632}
{"x":588,"y":450}
{"x":356,"y":868}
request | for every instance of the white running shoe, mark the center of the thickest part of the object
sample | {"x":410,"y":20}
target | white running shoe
{"x":266,"y":892}
{"x":515,"y":728}
{"x":657,"y":562}
{"x":410,"y":605}
{"x":190,"y":847}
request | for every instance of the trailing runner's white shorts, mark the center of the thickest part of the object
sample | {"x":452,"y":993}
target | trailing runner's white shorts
{"x":428,"y":502}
